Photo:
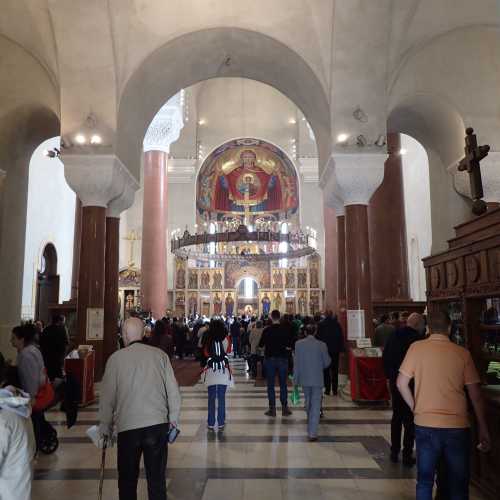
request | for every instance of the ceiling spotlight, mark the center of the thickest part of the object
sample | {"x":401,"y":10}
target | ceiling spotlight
{"x":201,"y":121}
{"x":292,"y":121}
{"x":292,"y":141}
{"x":342,"y":137}
{"x":80,"y":139}
{"x":95,"y":139}
{"x":403,"y":151}
{"x":361,"y":140}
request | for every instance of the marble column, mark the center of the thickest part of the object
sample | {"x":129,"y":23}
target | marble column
{"x":111,"y":275}
{"x":341,"y":273}
{"x":356,"y":177}
{"x":111,"y":308}
{"x":96,"y":179}
{"x":154,"y":234}
{"x":162,"y":132}
{"x":331,"y":273}
{"x":77,"y":242}
{"x":387,"y":229}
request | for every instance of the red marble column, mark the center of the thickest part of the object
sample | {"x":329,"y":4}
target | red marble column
{"x":77,"y":242}
{"x":358,"y":286}
{"x":387,"y":228}
{"x":111,"y":311}
{"x":341,"y":276}
{"x":91,"y":276}
{"x":331,"y":275}
{"x":154,"y":234}
{"x":341,"y":287}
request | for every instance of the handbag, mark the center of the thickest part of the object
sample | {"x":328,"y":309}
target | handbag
{"x":44,"y":396}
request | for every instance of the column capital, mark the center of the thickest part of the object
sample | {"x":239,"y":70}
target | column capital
{"x":166,"y":126}
{"x":329,"y":186}
{"x":122,"y":202}
{"x":356,"y":176}
{"x":97,"y":179}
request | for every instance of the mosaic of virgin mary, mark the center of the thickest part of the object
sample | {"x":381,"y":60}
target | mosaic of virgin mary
{"x":247,"y":175}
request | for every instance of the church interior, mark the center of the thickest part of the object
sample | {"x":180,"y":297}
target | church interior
{"x":191,"y":159}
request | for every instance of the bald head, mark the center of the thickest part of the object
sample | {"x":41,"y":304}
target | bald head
{"x":415,"y":321}
{"x":133,"y":330}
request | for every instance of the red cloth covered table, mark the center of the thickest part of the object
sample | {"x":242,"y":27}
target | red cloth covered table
{"x":368,"y":381}
{"x":83,"y":371}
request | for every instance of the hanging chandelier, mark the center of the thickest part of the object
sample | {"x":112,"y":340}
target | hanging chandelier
{"x":241,"y":243}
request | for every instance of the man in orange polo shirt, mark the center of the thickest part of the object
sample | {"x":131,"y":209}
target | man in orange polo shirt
{"x":443,"y":372}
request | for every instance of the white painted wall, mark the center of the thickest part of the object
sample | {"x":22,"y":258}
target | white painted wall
{"x":50,"y":219}
{"x":311,"y":214}
{"x":418,"y":212}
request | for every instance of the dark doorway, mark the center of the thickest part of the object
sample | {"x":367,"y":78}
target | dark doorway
{"x":47,"y":289}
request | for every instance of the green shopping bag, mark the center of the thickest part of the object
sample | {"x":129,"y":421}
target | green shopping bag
{"x":295,"y":396}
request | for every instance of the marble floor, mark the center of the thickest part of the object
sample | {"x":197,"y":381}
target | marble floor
{"x":255,"y":458}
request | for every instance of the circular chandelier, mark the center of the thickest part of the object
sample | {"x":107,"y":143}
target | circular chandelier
{"x":244,"y":243}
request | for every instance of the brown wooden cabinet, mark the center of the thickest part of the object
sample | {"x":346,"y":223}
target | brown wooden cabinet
{"x":465,"y":280}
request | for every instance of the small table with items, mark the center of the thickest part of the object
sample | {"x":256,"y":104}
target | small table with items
{"x":368,"y":380}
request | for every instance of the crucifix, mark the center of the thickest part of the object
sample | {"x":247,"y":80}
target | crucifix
{"x":471,"y":163}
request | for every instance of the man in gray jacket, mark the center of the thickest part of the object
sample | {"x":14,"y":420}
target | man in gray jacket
{"x":141,"y":398}
{"x":311,"y":358}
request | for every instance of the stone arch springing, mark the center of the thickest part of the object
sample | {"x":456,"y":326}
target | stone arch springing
{"x":212,"y":53}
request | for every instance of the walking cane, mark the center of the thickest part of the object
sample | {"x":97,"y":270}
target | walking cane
{"x":103,"y":463}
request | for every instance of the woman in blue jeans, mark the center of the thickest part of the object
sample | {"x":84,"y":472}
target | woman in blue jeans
{"x":217,"y":374}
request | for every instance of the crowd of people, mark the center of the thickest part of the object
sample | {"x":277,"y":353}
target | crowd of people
{"x":429,"y":377}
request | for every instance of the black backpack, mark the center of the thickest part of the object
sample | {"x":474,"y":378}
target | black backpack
{"x":217,"y":360}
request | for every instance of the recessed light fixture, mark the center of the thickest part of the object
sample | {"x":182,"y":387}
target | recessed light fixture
{"x":202,"y":121}
{"x":95,"y":139}
{"x":292,"y":121}
{"x":342,"y":137}
{"x":80,"y":139}
{"x":403,"y":151}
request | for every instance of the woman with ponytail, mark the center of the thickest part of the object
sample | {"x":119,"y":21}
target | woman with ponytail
{"x":217,"y":373}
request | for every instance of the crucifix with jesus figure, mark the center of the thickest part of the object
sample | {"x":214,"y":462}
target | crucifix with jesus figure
{"x":471,"y":163}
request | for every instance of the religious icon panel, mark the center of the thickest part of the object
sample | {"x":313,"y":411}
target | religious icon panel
{"x":248,"y":178}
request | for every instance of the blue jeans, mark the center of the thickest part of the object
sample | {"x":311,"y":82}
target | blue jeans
{"x":313,"y":397}
{"x":217,"y":392}
{"x":273,"y":366}
{"x":236,"y":347}
{"x":452,"y":447}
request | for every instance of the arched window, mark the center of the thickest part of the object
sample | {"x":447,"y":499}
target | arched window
{"x":248,"y":288}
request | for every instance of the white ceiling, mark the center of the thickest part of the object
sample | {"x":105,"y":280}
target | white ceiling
{"x":222,"y":109}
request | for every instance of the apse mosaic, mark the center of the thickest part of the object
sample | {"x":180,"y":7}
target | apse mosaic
{"x":247,"y":179}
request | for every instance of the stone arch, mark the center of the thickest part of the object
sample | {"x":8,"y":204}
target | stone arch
{"x":212,"y":53}
{"x":439,"y":127}
{"x":24,"y":129}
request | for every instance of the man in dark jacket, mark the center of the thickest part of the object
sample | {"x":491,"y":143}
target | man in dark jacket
{"x":394,"y":353}
{"x":54,"y":342}
{"x":235,"y":331}
{"x":330,"y":332}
